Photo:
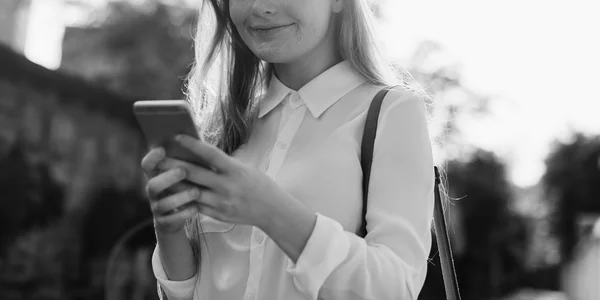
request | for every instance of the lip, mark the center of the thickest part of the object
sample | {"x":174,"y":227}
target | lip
{"x":269,"y":28}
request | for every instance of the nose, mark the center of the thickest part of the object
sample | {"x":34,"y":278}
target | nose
{"x":264,"y":7}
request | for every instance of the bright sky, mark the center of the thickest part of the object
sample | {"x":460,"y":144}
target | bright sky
{"x":539,"y":58}
{"x":44,"y":33}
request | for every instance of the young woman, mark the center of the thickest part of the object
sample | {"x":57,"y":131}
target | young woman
{"x":276,"y":213}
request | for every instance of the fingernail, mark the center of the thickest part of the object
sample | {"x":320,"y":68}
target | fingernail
{"x":179,"y":137}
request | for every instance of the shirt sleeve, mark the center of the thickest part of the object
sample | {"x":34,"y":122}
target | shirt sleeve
{"x":391,"y":261}
{"x":174,"y":290}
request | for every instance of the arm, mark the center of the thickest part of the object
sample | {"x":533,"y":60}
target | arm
{"x":174,"y":267}
{"x":391,"y":261}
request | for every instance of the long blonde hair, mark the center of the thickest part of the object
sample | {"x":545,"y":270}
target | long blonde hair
{"x":227,"y":78}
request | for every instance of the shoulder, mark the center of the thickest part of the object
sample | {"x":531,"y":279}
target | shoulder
{"x":400,"y":94}
{"x":398,"y":98}
{"x":403,"y":119}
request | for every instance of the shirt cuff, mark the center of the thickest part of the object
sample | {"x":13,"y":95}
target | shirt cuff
{"x":326,"y":249}
{"x":175,"y":290}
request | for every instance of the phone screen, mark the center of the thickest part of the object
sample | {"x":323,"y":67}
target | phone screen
{"x":162,"y":120}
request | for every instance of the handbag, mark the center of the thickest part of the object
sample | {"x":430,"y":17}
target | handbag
{"x":441,"y":230}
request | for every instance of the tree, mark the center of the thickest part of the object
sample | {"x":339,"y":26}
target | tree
{"x":18,"y":204}
{"x":571,"y":183}
{"x":451,"y":99}
{"x":495,"y":237}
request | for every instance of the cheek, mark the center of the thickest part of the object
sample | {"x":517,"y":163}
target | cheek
{"x":312,"y":22}
{"x":312,"y":30}
{"x":238,"y":10}
{"x":317,"y":16}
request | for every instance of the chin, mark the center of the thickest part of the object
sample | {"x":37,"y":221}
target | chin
{"x":275,"y":55}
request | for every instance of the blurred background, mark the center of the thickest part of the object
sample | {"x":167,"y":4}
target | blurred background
{"x":515,"y":112}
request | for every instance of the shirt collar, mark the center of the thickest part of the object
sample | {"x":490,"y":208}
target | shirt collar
{"x":318,"y":94}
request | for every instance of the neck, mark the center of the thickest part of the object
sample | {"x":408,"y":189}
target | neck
{"x":297,"y":73}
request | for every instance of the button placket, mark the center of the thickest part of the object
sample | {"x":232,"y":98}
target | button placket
{"x":290,"y":123}
{"x":286,"y":135}
{"x":281,"y":145}
{"x":257,"y":249}
{"x":259,"y":238}
{"x":250,"y":295}
{"x":295,"y":101}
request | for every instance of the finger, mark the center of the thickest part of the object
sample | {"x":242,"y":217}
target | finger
{"x":171,"y":202}
{"x":176,"y":188}
{"x":207,"y":152}
{"x":180,"y":187}
{"x":177,"y":217}
{"x":151,"y":159}
{"x":196,"y":174}
{"x":210,"y":199}
{"x":159,"y":183}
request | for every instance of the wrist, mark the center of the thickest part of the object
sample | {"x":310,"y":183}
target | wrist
{"x":284,"y":208}
{"x":290,"y":227}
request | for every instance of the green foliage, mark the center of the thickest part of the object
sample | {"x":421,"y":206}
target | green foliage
{"x":452,"y":100}
{"x":571,"y":183}
{"x":486,"y":203}
{"x":574,"y":167}
{"x":54,"y":236}
{"x":32,"y":198}
{"x":495,"y":237}
{"x":490,"y":240}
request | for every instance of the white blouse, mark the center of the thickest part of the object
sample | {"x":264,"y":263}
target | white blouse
{"x":308,"y":141}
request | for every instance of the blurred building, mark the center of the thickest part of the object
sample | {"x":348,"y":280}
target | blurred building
{"x":52,"y":114}
{"x":14,"y":18}
{"x":85,"y":54}
{"x":85,"y":139}
{"x":141,"y":53}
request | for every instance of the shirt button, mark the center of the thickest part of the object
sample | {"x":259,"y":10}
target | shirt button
{"x":250,"y":296}
{"x":295,"y":101}
{"x":259,"y":239}
{"x":281,"y":145}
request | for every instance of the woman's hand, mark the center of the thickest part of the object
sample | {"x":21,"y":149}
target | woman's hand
{"x":236,"y":193}
{"x":167,"y":193}
{"x":232,"y":191}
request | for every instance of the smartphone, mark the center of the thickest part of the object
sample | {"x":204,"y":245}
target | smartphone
{"x":161,"y":120}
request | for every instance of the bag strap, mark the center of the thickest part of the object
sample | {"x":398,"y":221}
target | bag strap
{"x":366,"y":153}
{"x":441,"y":230}
{"x":443,"y":242}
